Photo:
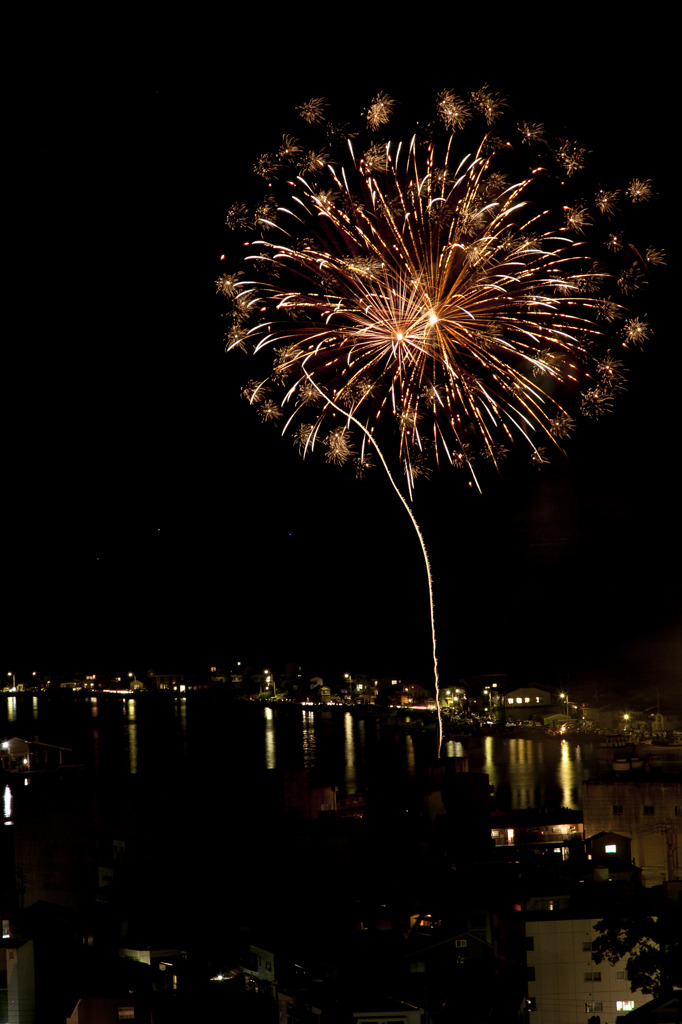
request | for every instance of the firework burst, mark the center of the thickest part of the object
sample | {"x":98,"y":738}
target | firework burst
{"x":439,"y":307}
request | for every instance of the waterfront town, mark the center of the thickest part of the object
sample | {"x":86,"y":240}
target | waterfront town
{"x":282,"y":896}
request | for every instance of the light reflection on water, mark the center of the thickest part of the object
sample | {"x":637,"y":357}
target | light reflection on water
{"x":181,"y":712}
{"x":270,"y":751}
{"x":569,"y":774}
{"x":350,"y":774}
{"x":411,"y":758}
{"x":345,"y":747}
{"x":132,"y":736}
{"x":309,"y":745}
{"x":489,"y":761}
{"x":530,"y":772}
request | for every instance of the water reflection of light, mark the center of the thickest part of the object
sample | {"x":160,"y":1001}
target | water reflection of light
{"x":7,"y":804}
{"x":181,"y":712}
{"x":11,"y":709}
{"x":566,"y":777}
{"x":308,"y":738}
{"x":270,"y":753}
{"x":525,"y":757}
{"x":409,"y":745}
{"x":131,"y":710}
{"x":489,"y":760}
{"x":454,"y":748}
{"x":349,"y":775}
{"x":94,"y":708}
{"x":34,"y":708}
{"x":132,"y":742}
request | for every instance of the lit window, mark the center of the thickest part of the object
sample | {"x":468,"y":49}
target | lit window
{"x":593,"y":1007}
{"x":126,"y":1013}
{"x":625,"y":1004}
{"x":461,"y":943}
{"x":526,"y":700}
{"x":510,"y":700}
{"x":610,"y":848}
{"x":519,"y":700}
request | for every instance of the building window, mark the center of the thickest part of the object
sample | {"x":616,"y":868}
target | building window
{"x":594,"y":1007}
{"x":461,"y":943}
{"x":678,"y":812}
{"x":610,"y":848}
{"x":587,"y":947}
{"x":617,"y":809}
{"x":625,"y":1004}
{"x":592,"y":976}
{"x":648,"y":809}
{"x":620,"y":975}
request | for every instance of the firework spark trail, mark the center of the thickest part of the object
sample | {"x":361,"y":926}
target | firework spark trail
{"x":422,"y":543}
{"x":438,"y":307}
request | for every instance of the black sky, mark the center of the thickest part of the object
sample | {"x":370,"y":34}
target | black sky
{"x":151,"y":519}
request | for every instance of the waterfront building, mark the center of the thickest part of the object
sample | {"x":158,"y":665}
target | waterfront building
{"x":17,"y":979}
{"x":645,"y":807}
{"x":565,"y":986}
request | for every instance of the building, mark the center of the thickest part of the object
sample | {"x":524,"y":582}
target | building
{"x":564,"y":985}
{"x":524,"y":703}
{"x":645,"y":807}
{"x":388,"y":1011}
{"x":606,"y":719}
{"x":17,"y":981}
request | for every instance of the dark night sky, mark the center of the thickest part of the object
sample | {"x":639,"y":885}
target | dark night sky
{"x":152,"y":520}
